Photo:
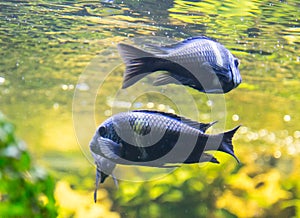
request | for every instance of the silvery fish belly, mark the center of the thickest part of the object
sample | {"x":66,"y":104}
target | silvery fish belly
{"x":154,"y":139}
{"x":197,"y":62}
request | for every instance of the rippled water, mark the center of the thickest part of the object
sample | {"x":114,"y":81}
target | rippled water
{"x":47,"y":45}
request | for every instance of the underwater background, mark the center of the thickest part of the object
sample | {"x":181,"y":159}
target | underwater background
{"x":49,"y":48}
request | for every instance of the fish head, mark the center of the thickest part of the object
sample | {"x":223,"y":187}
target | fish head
{"x":229,"y":78}
{"x":94,"y":143}
{"x":105,"y":131}
{"x":235,"y":73}
{"x":105,"y":166}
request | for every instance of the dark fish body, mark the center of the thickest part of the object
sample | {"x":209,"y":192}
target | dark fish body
{"x":198,"y":62}
{"x":154,"y":139}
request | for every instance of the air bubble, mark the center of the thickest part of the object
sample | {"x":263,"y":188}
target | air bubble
{"x":287,"y":118}
{"x":82,"y":87}
{"x":161,"y":107}
{"x":150,"y":105}
{"x":2,"y":80}
{"x":209,"y":103}
{"x":171,"y":111}
{"x":297,"y":134}
{"x":235,"y":117}
{"x":55,"y":106}
{"x":64,"y":87}
{"x":277,"y":154}
{"x":107,"y":113}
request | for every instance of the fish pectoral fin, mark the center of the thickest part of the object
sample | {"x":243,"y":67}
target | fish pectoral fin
{"x":165,"y":79}
{"x":222,"y":72}
{"x":208,"y":68}
{"x":109,"y":148}
{"x":220,"y":68}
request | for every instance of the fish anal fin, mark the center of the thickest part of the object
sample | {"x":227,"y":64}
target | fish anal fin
{"x":205,"y":157}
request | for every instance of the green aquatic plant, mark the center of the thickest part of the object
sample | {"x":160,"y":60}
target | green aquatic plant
{"x":25,"y":189}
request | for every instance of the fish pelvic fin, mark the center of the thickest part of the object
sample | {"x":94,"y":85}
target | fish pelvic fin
{"x":98,"y":181}
{"x":138,"y":63}
{"x":226,"y":145}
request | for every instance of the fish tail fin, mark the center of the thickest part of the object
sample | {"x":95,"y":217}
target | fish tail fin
{"x":137,"y":63}
{"x":226,"y":145}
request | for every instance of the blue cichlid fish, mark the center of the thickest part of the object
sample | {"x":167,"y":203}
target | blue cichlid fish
{"x":198,"y":62}
{"x":154,"y":139}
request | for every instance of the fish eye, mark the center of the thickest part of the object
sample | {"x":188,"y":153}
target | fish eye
{"x":102,"y":131}
{"x":236,"y":62}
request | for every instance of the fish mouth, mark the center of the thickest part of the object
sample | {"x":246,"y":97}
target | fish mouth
{"x":236,"y":76}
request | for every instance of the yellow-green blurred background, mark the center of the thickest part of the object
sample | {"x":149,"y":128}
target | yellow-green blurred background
{"x":46,"y":47}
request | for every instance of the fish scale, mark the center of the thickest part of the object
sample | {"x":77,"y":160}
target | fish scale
{"x":187,"y":53}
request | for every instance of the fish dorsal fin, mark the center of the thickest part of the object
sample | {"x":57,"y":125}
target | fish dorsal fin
{"x":158,"y":50}
{"x":167,"y":48}
{"x":196,"y":38}
{"x":194,"y":124}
